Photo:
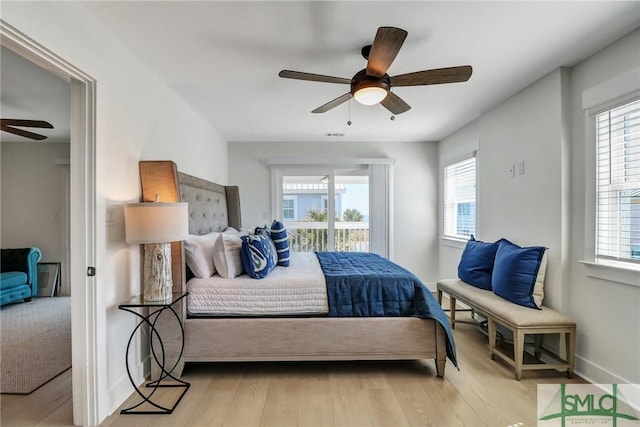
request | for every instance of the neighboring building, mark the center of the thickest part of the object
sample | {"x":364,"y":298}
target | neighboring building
{"x":299,"y":199}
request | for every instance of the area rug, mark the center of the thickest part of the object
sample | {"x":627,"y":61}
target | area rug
{"x":36,"y":343}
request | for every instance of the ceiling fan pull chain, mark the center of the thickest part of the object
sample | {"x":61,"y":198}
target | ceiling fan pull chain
{"x":349,"y":109}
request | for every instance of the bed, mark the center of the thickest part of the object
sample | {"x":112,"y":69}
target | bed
{"x":312,"y":337}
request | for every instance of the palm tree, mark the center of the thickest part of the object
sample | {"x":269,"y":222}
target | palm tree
{"x":352,"y":215}
{"x":316,"y":215}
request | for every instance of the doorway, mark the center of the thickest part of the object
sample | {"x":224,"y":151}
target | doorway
{"x":82,"y":215}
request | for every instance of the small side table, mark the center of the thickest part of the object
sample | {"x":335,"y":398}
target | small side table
{"x":153,"y":310}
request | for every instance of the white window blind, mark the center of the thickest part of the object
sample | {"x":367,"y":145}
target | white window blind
{"x":460,"y":199}
{"x":618,"y":182}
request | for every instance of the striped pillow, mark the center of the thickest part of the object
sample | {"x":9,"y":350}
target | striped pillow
{"x":280,"y":238}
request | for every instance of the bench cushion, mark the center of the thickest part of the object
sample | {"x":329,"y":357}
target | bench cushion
{"x":503,"y":310}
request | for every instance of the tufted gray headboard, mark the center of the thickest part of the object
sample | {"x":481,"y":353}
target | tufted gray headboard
{"x":212,"y":207}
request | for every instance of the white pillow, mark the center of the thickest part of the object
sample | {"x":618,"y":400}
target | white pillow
{"x":199,"y":254}
{"x":226,"y":254}
{"x":538,"y":287}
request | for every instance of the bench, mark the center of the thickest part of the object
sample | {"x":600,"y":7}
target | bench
{"x":519,"y":320}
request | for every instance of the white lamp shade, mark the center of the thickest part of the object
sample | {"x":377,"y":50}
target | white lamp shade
{"x":156,"y":222}
{"x":370,"y":95}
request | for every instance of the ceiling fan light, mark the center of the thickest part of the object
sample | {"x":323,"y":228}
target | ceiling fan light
{"x":370,"y":95}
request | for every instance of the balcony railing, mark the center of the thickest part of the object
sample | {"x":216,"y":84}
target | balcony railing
{"x":306,"y":236}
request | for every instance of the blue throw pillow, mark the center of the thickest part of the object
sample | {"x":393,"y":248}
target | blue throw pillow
{"x":281,"y":240}
{"x":258,"y":255}
{"x":476,"y":263}
{"x":518,"y":273}
{"x":261,"y":230}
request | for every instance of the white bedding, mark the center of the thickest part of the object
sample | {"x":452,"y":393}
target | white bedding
{"x":295,"y":290}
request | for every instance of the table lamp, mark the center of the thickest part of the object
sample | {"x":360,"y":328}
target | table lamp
{"x":155,"y":225}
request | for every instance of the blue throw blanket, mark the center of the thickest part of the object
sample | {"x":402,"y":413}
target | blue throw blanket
{"x":363,"y":284}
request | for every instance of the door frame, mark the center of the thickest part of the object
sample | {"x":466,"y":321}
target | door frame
{"x":84,"y":340}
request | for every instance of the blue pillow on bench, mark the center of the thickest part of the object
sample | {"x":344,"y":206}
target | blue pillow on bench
{"x":518,"y":273}
{"x":476,"y":263}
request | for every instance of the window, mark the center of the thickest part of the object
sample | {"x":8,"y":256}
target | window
{"x":618,"y":182}
{"x":289,"y":208}
{"x":460,"y":199}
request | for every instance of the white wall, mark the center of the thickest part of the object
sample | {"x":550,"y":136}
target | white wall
{"x":414,"y":189}
{"x":137,"y":118}
{"x":544,"y":125}
{"x":33,"y":197}
{"x":525,"y":209}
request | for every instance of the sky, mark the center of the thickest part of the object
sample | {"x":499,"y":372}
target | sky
{"x":356,"y":196}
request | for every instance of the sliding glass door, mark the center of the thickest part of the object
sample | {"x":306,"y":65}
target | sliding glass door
{"x":326,"y":211}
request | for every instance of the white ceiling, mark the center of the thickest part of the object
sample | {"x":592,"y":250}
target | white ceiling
{"x":32,"y":93}
{"x":223,"y":58}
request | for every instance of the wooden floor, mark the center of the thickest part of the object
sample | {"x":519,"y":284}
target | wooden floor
{"x":483,"y":393}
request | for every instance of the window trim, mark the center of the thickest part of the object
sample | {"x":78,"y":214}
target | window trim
{"x":615,"y":186}
{"x":616,"y":91}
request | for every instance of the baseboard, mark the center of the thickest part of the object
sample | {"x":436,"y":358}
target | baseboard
{"x":597,"y":374}
{"x":123,"y":389}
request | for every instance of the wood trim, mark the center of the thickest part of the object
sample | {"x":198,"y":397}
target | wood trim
{"x":159,"y":178}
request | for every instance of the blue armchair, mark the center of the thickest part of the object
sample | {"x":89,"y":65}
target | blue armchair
{"x":19,"y":271}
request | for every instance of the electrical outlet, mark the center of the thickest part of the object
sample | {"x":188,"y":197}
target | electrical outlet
{"x":510,"y":171}
{"x":110,"y":216}
{"x":520,"y":167}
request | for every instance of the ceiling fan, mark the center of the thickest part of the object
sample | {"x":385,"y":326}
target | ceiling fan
{"x":9,"y":125}
{"x":373,"y":85}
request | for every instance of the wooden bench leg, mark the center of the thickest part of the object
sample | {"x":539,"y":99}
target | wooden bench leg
{"x":491,"y":325}
{"x":537,"y":344}
{"x":518,"y":351}
{"x":570,"y":338}
{"x":439,"y":293}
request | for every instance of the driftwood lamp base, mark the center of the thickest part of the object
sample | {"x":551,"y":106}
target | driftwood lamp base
{"x":158,"y":283}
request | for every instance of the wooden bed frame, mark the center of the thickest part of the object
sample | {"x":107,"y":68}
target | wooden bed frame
{"x":213,"y":207}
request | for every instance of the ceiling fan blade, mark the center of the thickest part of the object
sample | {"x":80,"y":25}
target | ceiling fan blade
{"x":288,"y":74}
{"x":395,"y":104}
{"x":384,"y":49}
{"x":26,"y":123}
{"x":332,"y":104}
{"x":23,"y":133}
{"x":433,"y":77}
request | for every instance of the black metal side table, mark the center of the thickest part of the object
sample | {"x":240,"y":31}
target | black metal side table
{"x":149,"y":314}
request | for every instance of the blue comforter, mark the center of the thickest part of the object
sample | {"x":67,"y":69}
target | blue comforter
{"x":365,"y":284}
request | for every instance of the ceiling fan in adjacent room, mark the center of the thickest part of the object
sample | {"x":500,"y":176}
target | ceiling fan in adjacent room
{"x":13,"y":125}
{"x":373,"y":85}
